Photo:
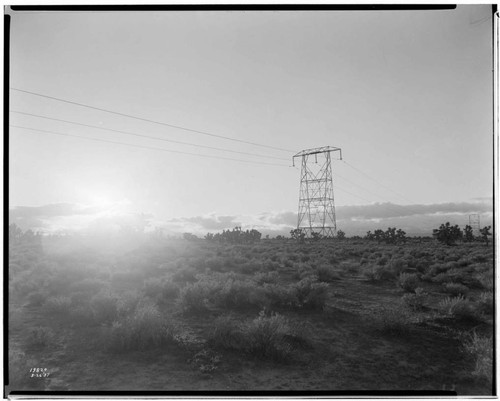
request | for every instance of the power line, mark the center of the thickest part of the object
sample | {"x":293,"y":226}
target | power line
{"x":145,"y":147}
{"x":147,"y":136}
{"x":389,"y":206}
{"x":350,"y":193}
{"x":150,"y":121}
{"x":378,"y":182}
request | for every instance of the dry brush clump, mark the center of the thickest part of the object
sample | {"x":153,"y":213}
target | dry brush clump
{"x":39,"y":337}
{"x":269,"y":336}
{"x":307,"y":293}
{"x":326,"y":273}
{"x":459,"y":308}
{"x":58,"y":306}
{"x":408,"y":282}
{"x":485,"y":303}
{"x":104,"y":307}
{"x":481,"y":350}
{"x":415,"y":301}
{"x":144,"y":328}
{"x":456,"y":289}
{"x":226,"y":334}
{"x":394,"y":320}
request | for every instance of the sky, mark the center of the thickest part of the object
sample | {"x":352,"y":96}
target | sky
{"x":406,"y":95}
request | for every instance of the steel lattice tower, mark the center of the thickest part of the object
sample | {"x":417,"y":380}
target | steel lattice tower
{"x":316,"y":202}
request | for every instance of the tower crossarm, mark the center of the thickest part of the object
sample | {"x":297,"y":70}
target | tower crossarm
{"x":315,"y":151}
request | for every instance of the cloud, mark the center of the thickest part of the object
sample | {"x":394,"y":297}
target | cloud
{"x":68,"y":217}
{"x":391,"y":210}
{"x":40,"y":217}
{"x":51,"y":210}
{"x":354,"y":220}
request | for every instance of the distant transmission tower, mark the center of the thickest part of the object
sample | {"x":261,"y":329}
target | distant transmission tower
{"x":316,"y":203}
{"x":474,"y":223}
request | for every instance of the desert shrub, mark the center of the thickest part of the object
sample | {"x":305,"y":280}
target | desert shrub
{"x":397,"y":266}
{"x":326,"y":274}
{"x":80,"y":299}
{"x":270,"y":265}
{"x":369,"y":273}
{"x":459,"y":308}
{"x":436,"y":268}
{"x":152,"y":288}
{"x":193,"y":298}
{"x":39,"y":337}
{"x":479,"y":258}
{"x":127,"y":303}
{"x":37,"y":298}
{"x":481,"y":349}
{"x":309,"y":294}
{"x":485,"y":279}
{"x":145,"y":328}
{"x":271,"y":337}
{"x":269,"y":277}
{"x":252,"y":266}
{"x":394,"y":320}
{"x":303,"y":270}
{"x":421,"y":265}
{"x":383,"y":273}
{"x":82,"y":316}
{"x":185,"y":275}
{"x":127,"y":279}
{"x":416,"y":300}
{"x":58,"y":305}
{"x":464,"y":262}
{"x":351,"y":268}
{"x":278,"y":296}
{"x":485,"y":303}
{"x":24,"y":283}
{"x":226,"y":334}
{"x":104,"y":308}
{"x":236,"y":294}
{"x":408,"y":282}
{"x":383,"y":260}
{"x":442,"y":278}
{"x":305,"y":258}
{"x":169,"y":290}
{"x":87,"y":286}
{"x":456,"y":289}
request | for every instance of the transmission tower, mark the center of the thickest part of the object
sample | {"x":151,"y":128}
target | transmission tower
{"x":474,"y":223}
{"x":316,"y":202}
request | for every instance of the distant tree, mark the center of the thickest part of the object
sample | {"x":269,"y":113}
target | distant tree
{"x":448,"y":234}
{"x":468,"y":234}
{"x":340,"y":234}
{"x":189,"y":237}
{"x":400,"y":236}
{"x":378,"y":235}
{"x":369,"y":235}
{"x":390,"y":235}
{"x":15,"y":233}
{"x":252,"y":235}
{"x":235,"y":236}
{"x":485,"y":232}
{"x":298,"y":235}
